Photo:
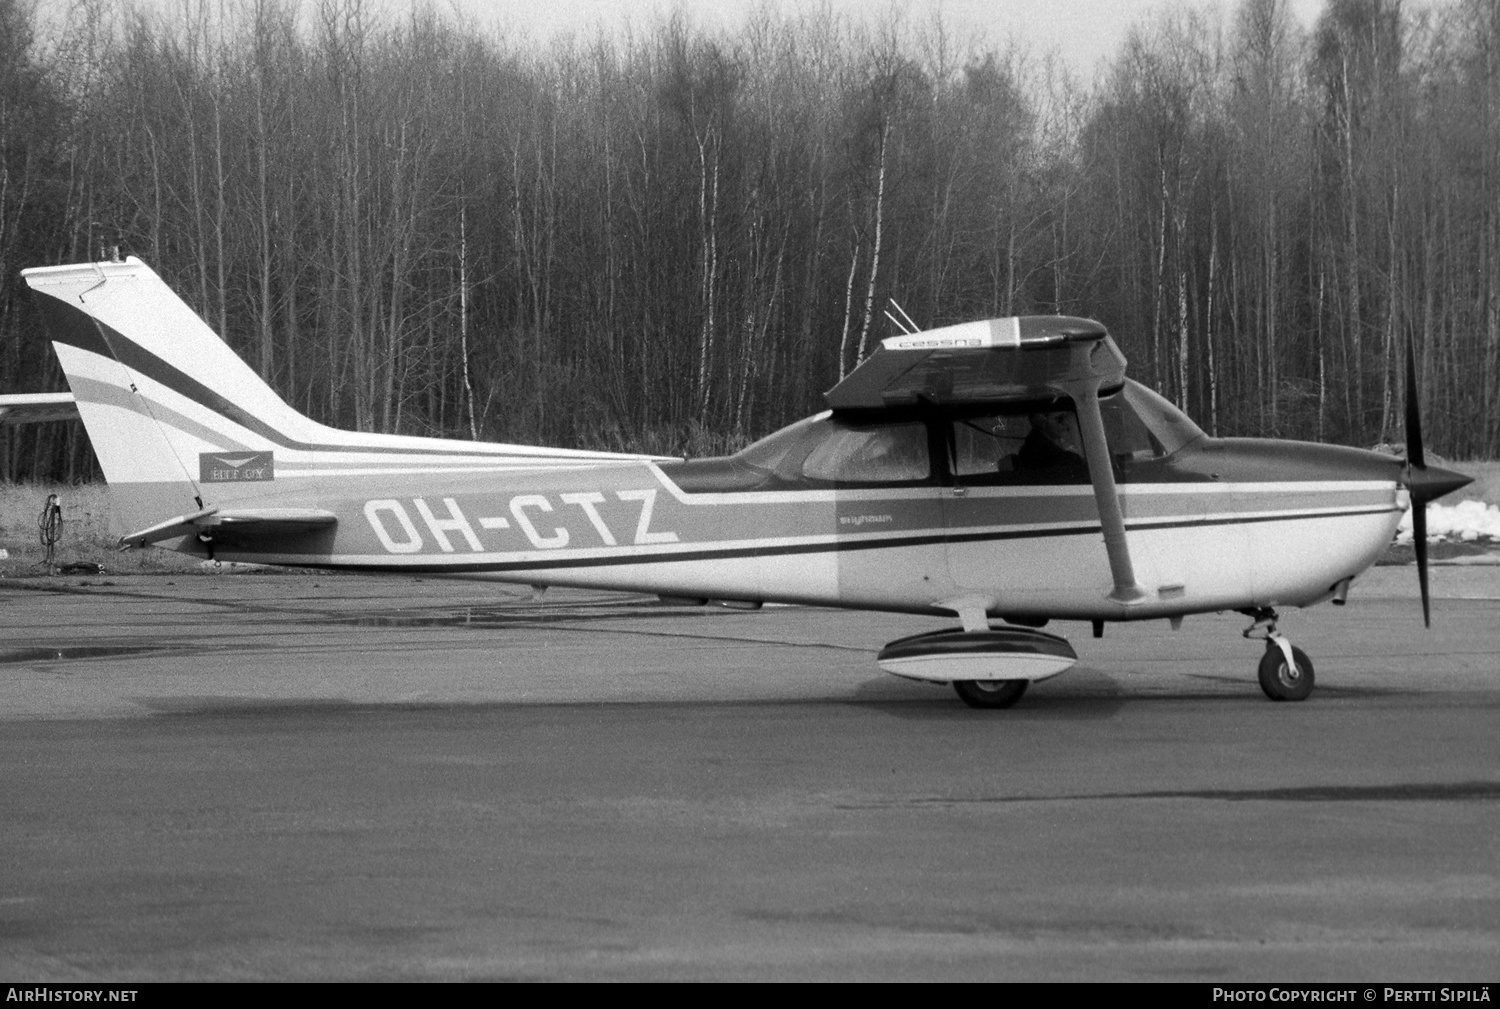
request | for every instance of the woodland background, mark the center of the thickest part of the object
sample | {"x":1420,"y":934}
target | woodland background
{"x":677,"y":240}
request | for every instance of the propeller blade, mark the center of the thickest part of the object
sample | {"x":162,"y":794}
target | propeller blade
{"x":1424,"y":484}
{"x":1414,"y":453}
{"x":1416,"y":462}
{"x":1419,"y":540}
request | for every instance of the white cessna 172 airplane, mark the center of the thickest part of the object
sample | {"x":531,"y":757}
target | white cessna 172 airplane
{"x":1004,"y":469}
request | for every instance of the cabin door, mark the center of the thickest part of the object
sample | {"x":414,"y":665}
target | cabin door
{"x":1017,"y":510}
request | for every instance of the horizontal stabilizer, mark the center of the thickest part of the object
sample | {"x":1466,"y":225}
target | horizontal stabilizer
{"x":34,"y":407}
{"x":243,"y":523}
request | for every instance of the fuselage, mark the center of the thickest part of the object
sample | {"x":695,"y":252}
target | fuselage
{"x":802,"y":517}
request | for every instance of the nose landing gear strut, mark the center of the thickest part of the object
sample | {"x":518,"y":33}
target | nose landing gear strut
{"x":1286,"y":673}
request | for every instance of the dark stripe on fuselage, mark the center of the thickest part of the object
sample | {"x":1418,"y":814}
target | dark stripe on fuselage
{"x":730,"y":553}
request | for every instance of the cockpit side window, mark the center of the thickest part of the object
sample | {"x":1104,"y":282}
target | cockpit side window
{"x":872,"y":455}
{"x":983,"y":445}
{"x":1032,"y":444}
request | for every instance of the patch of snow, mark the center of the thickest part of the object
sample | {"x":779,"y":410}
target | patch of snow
{"x":1468,"y":521}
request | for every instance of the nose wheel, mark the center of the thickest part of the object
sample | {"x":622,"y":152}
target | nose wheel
{"x":1285,"y":679}
{"x":1285,"y":673}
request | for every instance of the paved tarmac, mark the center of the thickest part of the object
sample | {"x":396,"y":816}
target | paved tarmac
{"x":334,"y":777}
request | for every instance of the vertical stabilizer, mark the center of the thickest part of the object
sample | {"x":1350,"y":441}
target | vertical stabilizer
{"x":180,"y":423}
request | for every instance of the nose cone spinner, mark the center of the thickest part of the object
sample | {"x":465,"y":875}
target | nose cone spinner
{"x":1432,"y":482}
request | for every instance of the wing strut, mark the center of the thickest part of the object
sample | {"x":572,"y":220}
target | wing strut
{"x":1106,"y":495}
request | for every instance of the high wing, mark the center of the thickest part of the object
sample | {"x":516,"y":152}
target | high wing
{"x":35,"y":407}
{"x":1030,"y":358}
{"x":1034,"y":358}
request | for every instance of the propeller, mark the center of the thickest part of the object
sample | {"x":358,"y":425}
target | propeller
{"x":1424,"y":484}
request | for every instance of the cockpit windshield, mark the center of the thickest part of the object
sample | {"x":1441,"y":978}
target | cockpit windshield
{"x":1167,"y":428}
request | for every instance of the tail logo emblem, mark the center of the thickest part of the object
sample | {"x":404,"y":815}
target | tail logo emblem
{"x":235,"y":467}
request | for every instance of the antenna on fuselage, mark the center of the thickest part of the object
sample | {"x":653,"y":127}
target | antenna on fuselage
{"x":907,"y":327}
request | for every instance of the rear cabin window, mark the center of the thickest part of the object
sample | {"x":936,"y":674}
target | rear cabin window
{"x":878,"y":454}
{"x":769,"y":452}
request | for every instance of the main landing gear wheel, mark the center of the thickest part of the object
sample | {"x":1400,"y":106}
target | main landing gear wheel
{"x":1280,"y":681}
{"x":990,"y":693}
